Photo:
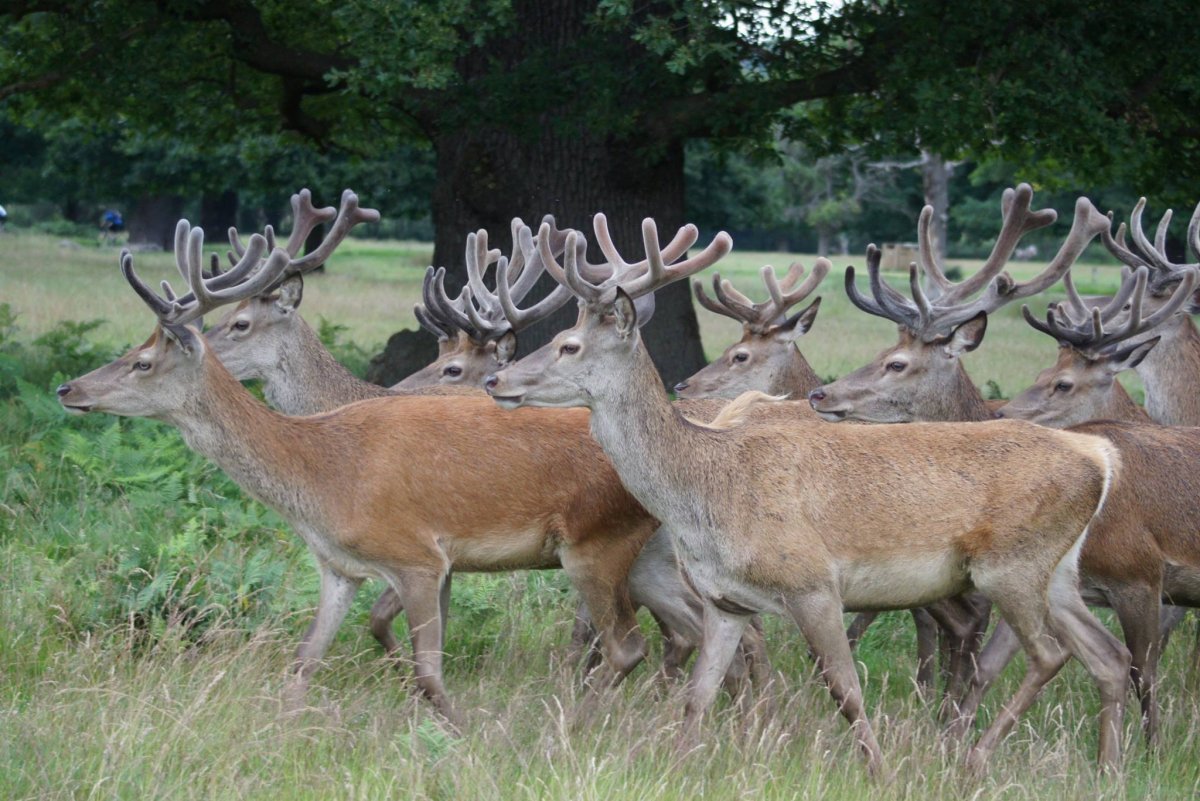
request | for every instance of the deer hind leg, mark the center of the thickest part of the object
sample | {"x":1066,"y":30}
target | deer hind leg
{"x":385,"y":610}
{"x":336,"y":594}
{"x":963,"y":621}
{"x":819,"y":616}
{"x":959,"y":709}
{"x":1137,"y":607}
{"x":602,"y":582}
{"x":421,"y":593}
{"x":1104,"y":657}
{"x":858,"y":627}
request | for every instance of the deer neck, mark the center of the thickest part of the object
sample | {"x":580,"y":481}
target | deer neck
{"x":797,"y":379}
{"x":1171,"y":374}
{"x":651,"y":445}
{"x":1119,"y":406}
{"x":308,"y":380}
{"x":277,"y":459}
{"x":957,"y":400}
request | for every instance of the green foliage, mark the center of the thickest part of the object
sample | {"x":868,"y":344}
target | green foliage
{"x":353,"y":356}
{"x":61,"y":352}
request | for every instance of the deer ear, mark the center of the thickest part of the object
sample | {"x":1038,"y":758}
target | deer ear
{"x":799,"y":323}
{"x":1131,"y":357}
{"x":183,"y":336}
{"x":625,"y":313}
{"x":506,"y":347}
{"x":291,"y":292}
{"x":967,"y":336}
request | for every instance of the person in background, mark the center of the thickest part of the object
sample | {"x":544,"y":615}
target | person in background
{"x":3,"y":218}
{"x":111,"y":224}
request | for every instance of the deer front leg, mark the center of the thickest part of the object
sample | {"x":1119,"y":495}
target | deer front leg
{"x":421,"y":594}
{"x":722,"y":636}
{"x":819,"y":616}
{"x":336,"y":594}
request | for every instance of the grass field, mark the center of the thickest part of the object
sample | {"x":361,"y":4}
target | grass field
{"x":150,"y":611}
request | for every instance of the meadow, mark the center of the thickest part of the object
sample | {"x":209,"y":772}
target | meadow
{"x":150,"y":609}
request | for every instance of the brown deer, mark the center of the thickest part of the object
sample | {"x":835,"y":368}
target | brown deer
{"x":1144,"y":534}
{"x":264,"y":337}
{"x":833,"y":517}
{"x":766,"y":358}
{"x":363,"y":486}
{"x":921,"y":378}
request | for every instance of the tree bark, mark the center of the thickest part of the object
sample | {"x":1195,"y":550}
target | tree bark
{"x":935,"y":179}
{"x":218,"y":212}
{"x":153,"y":220}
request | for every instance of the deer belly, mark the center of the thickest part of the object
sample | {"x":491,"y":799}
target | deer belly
{"x":532,"y":548}
{"x":900,"y":581}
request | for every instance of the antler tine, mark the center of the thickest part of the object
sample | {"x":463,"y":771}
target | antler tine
{"x":161,"y":308}
{"x":584,"y":290}
{"x":779,"y":291}
{"x":737,"y":303}
{"x":1166,"y":271}
{"x":1077,"y":304}
{"x":305,"y":217}
{"x":658,"y":274}
{"x":1193,"y":232}
{"x":924,"y":313}
{"x":432,"y":307}
{"x":929,"y":263}
{"x":684,"y":238}
{"x":349,"y":214}
{"x":479,"y":258}
{"x":427,"y":321}
{"x":519,"y":319}
{"x":482,"y":329}
{"x":712,"y":305}
{"x":448,"y":309}
{"x":874,"y":306}
{"x":516,"y":261}
{"x":1148,"y":251}
{"x":1018,"y":221}
{"x":207,"y":298}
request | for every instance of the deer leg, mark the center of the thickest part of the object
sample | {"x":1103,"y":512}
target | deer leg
{"x":962,"y":620}
{"x":722,"y":633}
{"x":444,"y":601}
{"x":1100,"y":652}
{"x":858,"y":627}
{"x":1137,"y":607}
{"x":603,"y":588}
{"x":421,"y":594}
{"x":959,"y":712}
{"x":336,"y":594}
{"x":819,"y":616}
{"x":383,"y":613}
{"x":1171,"y":617}
{"x":927,"y":648}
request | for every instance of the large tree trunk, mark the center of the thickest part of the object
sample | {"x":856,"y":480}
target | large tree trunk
{"x":153,"y":220}
{"x":487,"y":178}
{"x":218,"y":213}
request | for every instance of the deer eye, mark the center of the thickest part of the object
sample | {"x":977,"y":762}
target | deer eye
{"x":1063,"y":386}
{"x":569,"y":349}
{"x":452,"y":370}
{"x":741,"y":357}
{"x":896,"y":367}
{"x":142,"y":365}
{"x":241,"y":325}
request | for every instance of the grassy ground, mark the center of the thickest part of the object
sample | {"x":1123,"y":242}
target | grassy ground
{"x":150,"y":611}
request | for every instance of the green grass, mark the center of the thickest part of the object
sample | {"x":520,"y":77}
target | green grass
{"x":150,"y":611}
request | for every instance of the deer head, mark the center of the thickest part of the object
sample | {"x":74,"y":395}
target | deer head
{"x":766,"y":357}
{"x":589,"y":359}
{"x":921,"y":377}
{"x":471,"y":327}
{"x":1096,"y":342}
{"x":260,"y":331}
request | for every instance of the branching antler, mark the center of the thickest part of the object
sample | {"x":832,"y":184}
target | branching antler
{"x":250,"y":274}
{"x":479,"y":311}
{"x":933,"y":314}
{"x":636,"y":279}
{"x":1085,"y":329}
{"x":1164,"y":273}
{"x":758,"y":317}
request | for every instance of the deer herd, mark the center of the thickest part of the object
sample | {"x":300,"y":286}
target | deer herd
{"x":743,"y":496}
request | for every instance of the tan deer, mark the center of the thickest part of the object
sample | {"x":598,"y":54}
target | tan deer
{"x":367,"y":492}
{"x":1144,"y":535}
{"x":921,"y":378}
{"x":805,"y":519}
{"x":766,"y":358}
{"x":265,"y":337}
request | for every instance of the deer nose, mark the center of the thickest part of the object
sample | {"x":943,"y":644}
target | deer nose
{"x":817,"y":395}
{"x":681,"y":386}
{"x":490,"y":382}
{"x":63,"y":390}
